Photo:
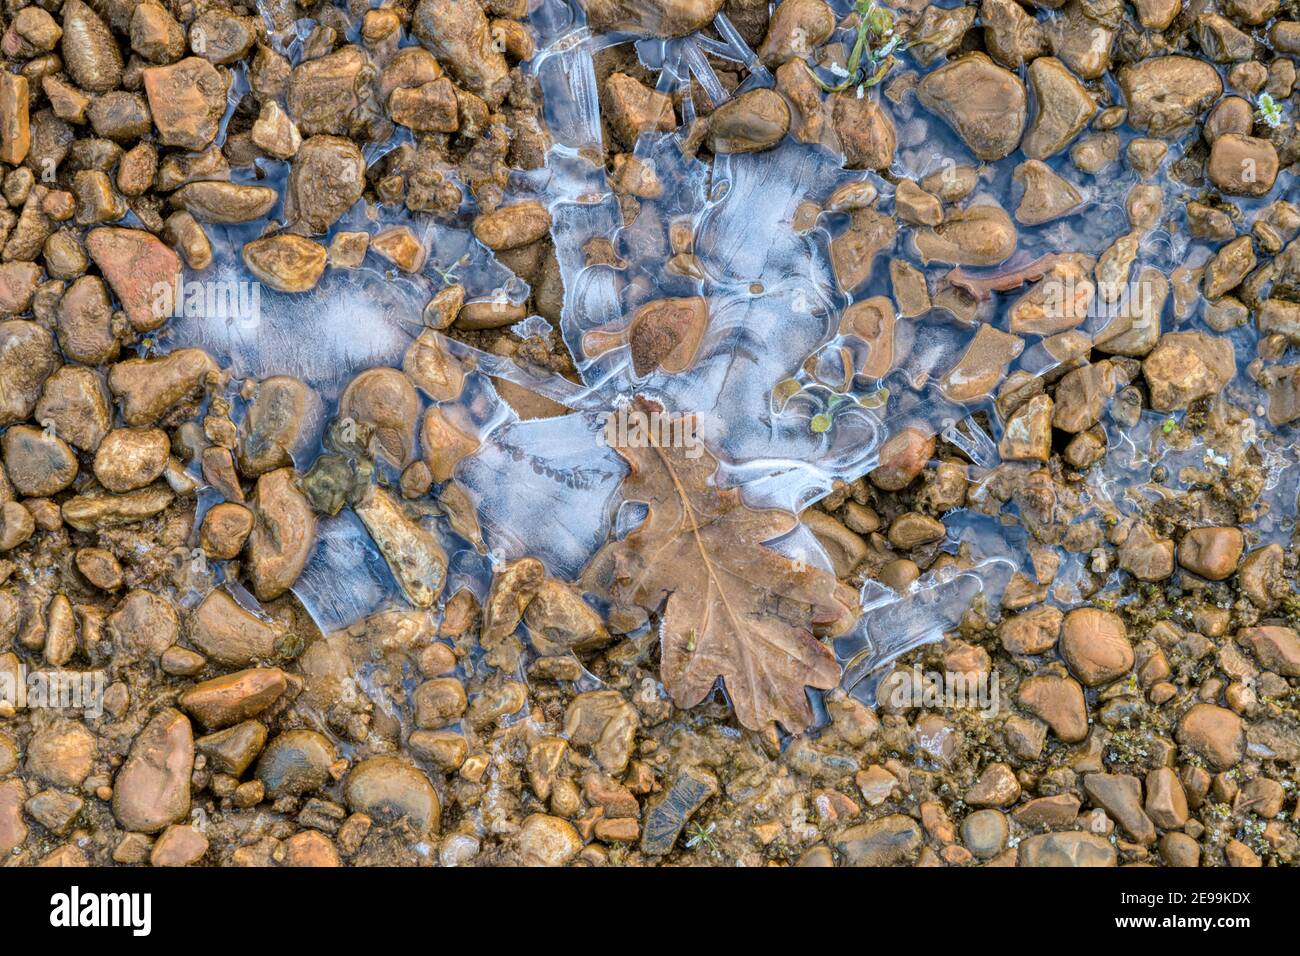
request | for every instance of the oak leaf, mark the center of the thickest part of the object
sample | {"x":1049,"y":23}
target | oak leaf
{"x":729,"y":607}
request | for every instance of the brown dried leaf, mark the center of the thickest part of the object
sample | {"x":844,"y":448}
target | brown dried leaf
{"x":729,"y":606}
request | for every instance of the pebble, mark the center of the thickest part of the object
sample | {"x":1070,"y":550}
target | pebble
{"x":152,"y":790}
{"x":1213,"y":733}
{"x":387,"y":789}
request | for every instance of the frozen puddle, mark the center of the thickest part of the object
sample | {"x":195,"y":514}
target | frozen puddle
{"x":770,"y":381}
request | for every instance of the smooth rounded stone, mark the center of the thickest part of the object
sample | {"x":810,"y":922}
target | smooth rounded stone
{"x":90,"y":51}
{"x":981,"y":101}
{"x":95,"y":200}
{"x":310,"y":848}
{"x":796,"y":29}
{"x":152,"y":790}
{"x":977,"y":236}
{"x":99,"y":567}
{"x":141,"y":270}
{"x":547,"y":841}
{"x":130,"y":458}
{"x":1178,"y":849}
{"x":326,"y":179}
{"x":234,"y":698}
{"x":16,"y":526}
{"x":1232,"y":114}
{"x":285,"y":262}
{"x":1243,"y":165}
{"x":224,"y":531}
{"x":280,"y":425}
{"x":384,"y":400}
{"x":1276,"y":648}
{"x":178,"y":846}
{"x":661,"y":18}
{"x":1166,"y":94}
{"x":1062,"y":108}
{"x":749,"y":123}
{"x":229,"y":633}
{"x":1059,"y":703}
{"x":1166,"y":803}
{"x":513,"y":226}
{"x":1213,"y":733}
{"x":439,"y":702}
{"x":295,"y":762}
{"x":1120,"y":795}
{"x":144,"y":623}
{"x":86,"y":326}
{"x":148,"y":388}
{"x":74,"y":402}
{"x":1096,"y":646}
{"x":62,"y":754}
{"x":865,"y":132}
{"x":388,"y":789}
{"x":893,"y":840}
{"x":985,"y":833}
{"x":284,"y":532}
{"x":1212,"y":553}
{"x":234,"y":749}
{"x":225,"y":203}
{"x":188,"y":100}
{"x":27,"y":359}
{"x":39,"y":464}
{"x":1072,"y":848}
{"x":1187,"y":366}
{"x":459,"y":36}
{"x":18,"y":282}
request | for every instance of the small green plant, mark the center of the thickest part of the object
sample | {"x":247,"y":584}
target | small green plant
{"x":1270,"y":111}
{"x":702,"y":836}
{"x":873,"y":51}
{"x":1169,"y":426}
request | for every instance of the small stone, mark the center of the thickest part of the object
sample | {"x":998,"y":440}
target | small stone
{"x":187,"y":100}
{"x":1213,"y":733}
{"x":179,"y":846}
{"x":1211,"y":552}
{"x":152,"y":790}
{"x":1096,"y":646}
{"x":285,"y":262}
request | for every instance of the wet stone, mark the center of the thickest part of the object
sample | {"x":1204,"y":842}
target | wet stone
{"x":388,"y":789}
{"x":152,"y":790}
{"x":326,"y":179}
{"x":889,"y":841}
{"x":187,"y":100}
{"x":132,"y":458}
{"x":984,"y":103}
{"x":39,"y":464}
{"x":295,"y":763}
{"x":667,"y":816}
{"x":233,"y":698}
{"x":286,"y":263}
